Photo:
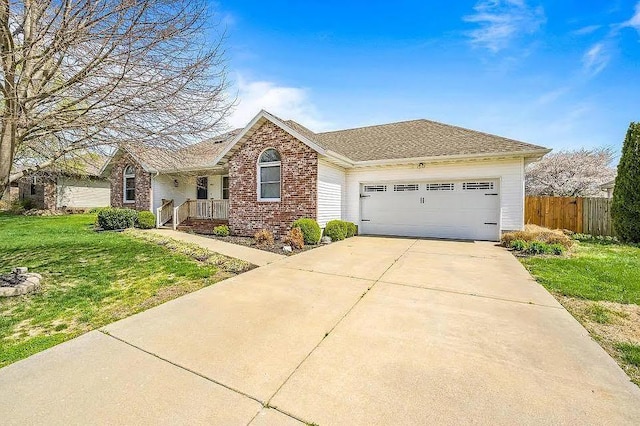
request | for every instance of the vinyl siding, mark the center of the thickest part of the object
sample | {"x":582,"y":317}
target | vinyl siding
{"x":80,"y":193}
{"x":510,"y":172}
{"x":331,"y":192}
{"x":163,"y":187}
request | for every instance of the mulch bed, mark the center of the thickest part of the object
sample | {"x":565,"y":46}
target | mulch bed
{"x":250,"y":242}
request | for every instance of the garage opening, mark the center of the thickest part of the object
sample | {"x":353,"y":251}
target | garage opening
{"x":464,"y":209}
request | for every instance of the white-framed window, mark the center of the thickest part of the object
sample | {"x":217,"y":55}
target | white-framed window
{"x":129,"y":184}
{"x":269,"y":175}
{"x":225,"y":187}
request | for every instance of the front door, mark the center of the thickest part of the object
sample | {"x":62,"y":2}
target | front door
{"x":202,"y":188}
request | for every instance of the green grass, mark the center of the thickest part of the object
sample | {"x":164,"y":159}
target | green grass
{"x":89,"y":279}
{"x":629,"y":353}
{"x":594,"y":272}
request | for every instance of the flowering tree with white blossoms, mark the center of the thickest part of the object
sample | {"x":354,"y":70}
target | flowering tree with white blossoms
{"x":577,"y":173}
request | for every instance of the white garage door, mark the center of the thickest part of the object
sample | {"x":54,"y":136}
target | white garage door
{"x":468,"y":209}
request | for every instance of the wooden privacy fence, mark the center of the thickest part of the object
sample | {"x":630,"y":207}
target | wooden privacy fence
{"x":583,"y":215}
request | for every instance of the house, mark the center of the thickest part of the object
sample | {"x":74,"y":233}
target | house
{"x":414,"y":178}
{"x":608,"y":188}
{"x":9,"y":196}
{"x":78,"y":188}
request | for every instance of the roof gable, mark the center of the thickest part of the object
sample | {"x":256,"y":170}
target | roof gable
{"x":257,"y":122}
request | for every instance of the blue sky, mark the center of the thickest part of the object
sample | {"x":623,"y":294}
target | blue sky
{"x":560,"y":74}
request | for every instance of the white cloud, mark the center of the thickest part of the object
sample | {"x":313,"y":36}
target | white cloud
{"x":552,"y":96}
{"x":288,"y":103}
{"x":634,"y":22}
{"x":595,"y":59}
{"x":501,"y":21}
{"x":589,"y":29}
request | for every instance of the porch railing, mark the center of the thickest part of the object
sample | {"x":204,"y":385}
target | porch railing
{"x":164,"y":213}
{"x":201,"y":209}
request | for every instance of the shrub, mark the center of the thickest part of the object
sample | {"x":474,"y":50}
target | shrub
{"x":221,"y":231}
{"x":264,"y":237}
{"x":508,"y":237}
{"x":310,"y":229}
{"x":596,"y":239}
{"x":538,"y":247}
{"x":336,"y":230}
{"x":294,"y":238}
{"x":16,"y":207}
{"x":553,"y":237}
{"x":112,"y":218}
{"x":97,"y":210}
{"x":537,"y":233}
{"x":557,"y":249}
{"x":145,"y":220}
{"x":352,"y":229}
{"x":20,"y":206}
{"x":625,"y":206}
{"x":518,"y":245}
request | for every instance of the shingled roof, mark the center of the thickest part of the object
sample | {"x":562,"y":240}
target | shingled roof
{"x":196,"y":156}
{"x":412,"y":139}
{"x":415,"y":139}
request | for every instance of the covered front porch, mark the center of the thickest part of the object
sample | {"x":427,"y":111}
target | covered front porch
{"x":191,"y":200}
{"x":193,"y":213}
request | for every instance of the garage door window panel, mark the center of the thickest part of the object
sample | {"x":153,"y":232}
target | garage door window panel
{"x":472,"y":186}
{"x":406,"y":187}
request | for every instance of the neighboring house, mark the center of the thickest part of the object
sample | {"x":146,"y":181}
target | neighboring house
{"x":414,"y":178}
{"x":65,"y":190}
{"x":608,"y":187}
{"x":10,"y":195}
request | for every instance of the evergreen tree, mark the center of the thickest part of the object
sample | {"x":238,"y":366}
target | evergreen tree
{"x":625,"y":210}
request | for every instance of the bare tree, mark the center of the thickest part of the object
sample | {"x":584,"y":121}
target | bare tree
{"x":570,"y":173}
{"x":81,"y":75}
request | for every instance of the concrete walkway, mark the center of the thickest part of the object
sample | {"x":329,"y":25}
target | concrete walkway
{"x":251,"y":255}
{"x":368,"y":331}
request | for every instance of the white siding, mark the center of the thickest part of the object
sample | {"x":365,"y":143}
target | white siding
{"x":510,"y":172}
{"x":163,"y":187}
{"x":82,"y":193}
{"x":331,"y":192}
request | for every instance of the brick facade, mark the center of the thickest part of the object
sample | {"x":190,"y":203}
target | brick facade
{"x":44,"y":194}
{"x":143,"y":184}
{"x":298,"y":193}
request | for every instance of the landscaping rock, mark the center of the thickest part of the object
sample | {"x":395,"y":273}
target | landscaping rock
{"x":38,"y":212}
{"x":325,"y":240}
{"x":287,"y":249}
{"x":19,"y":282}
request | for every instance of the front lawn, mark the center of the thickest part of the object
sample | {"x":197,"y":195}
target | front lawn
{"x":600,"y":285}
{"x":89,"y":279}
{"x":594,"y":271}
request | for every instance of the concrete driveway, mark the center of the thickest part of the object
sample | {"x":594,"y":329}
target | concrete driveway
{"x":365,"y":331}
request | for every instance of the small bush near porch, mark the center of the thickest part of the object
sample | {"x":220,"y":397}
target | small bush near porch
{"x":89,"y":279}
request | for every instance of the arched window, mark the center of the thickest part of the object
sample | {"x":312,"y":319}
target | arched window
{"x":129,"y":184}
{"x":269,"y":175}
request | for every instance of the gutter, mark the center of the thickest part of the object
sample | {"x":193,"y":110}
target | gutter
{"x":440,"y":158}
